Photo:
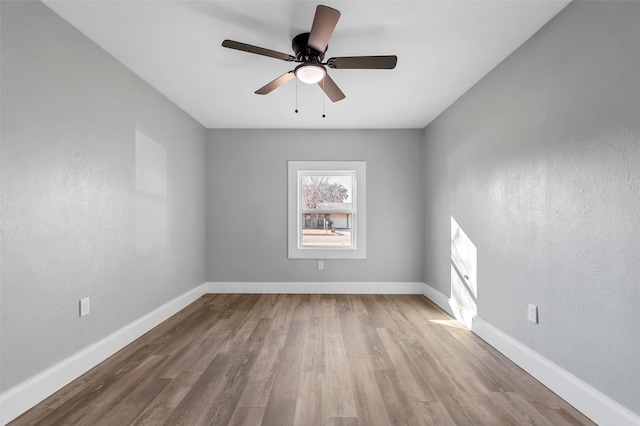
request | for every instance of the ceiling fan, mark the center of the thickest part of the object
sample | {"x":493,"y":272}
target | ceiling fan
{"x":309,"y":49}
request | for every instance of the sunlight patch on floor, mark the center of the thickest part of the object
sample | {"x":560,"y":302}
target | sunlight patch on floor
{"x":450,"y":323}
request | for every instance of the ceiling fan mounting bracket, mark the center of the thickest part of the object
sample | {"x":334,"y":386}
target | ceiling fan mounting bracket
{"x":304,"y":53}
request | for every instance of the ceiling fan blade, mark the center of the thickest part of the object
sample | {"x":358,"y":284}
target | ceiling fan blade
{"x":364,"y":62}
{"x":270,"y":87}
{"x":257,"y":50}
{"x":331,"y":89}
{"x":323,"y":25}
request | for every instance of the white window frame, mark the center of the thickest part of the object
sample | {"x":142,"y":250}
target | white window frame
{"x":358,"y":250}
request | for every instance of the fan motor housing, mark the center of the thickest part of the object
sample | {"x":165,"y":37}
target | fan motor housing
{"x":303,"y":51}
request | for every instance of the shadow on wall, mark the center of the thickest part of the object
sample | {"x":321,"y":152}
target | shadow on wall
{"x":464,"y":276}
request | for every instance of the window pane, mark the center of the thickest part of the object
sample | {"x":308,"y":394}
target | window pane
{"x":326,"y":230}
{"x":326,"y":204}
{"x":326,"y":191}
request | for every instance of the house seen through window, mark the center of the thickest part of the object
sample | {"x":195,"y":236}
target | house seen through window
{"x":327,"y":217}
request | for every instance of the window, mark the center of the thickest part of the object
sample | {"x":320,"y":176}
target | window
{"x":327,"y":217}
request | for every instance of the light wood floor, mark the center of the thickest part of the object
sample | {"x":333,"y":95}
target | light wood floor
{"x":306,"y":360}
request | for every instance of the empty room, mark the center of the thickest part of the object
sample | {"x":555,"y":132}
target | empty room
{"x":301,"y":213}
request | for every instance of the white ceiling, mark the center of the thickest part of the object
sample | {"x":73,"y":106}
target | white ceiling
{"x":443,"y":46}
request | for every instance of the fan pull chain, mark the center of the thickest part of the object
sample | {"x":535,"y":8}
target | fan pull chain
{"x":296,"y":95}
{"x":323,"y":95}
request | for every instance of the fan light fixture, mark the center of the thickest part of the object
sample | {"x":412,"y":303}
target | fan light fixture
{"x":310,"y":73}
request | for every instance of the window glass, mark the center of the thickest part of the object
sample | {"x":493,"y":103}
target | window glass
{"x":326,"y":209}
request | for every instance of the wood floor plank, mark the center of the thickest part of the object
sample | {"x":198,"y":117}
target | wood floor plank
{"x":263,"y":370}
{"x":248,"y":354}
{"x":127,"y":410}
{"x":338,"y":396}
{"x":491,"y":411}
{"x":281,"y":405}
{"x":343,"y":421}
{"x":243,"y":325}
{"x":377,"y":353}
{"x":316,"y":304}
{"x":561,"y":416}
{"x":310,"y":401}
{"x":354,"y":341}
{"x":230,"y":304}
{"x":378,"y":316}
{"x":195,"y":358}
{"x":265,"y":307}
{"x":313,"y":354}
{"x":470,"y":377}
{"x":268,"y":358}
{"x":358,"y":306}
{"x":247,"y":416}
{"x":402,"y":324}
{"x":286,"y":308}
{"x":221,"y":407}
{"x":369,"y":402}
{"x":210,"y":383}
{"x":436,"y":339}
{"x":302,"y":310}
{"x":433,"y":413}
{"x":256,"y":393}
{"x":408,"y":372}
{"x":308,"y":360}
{"x":430,"y":367}
{"x":158,"y":410}
{"x":520,"y":408}
{"x":399,"y":404}
{"x":330,"y":314}
{"x":180,"y":336}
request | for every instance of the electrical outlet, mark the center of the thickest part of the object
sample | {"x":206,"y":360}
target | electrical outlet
{"x":85,"y":306}
{"x":532,"y":313}
{"x":320,"y":265}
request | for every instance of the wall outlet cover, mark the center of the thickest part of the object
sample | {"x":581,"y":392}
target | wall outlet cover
{"x":532,"y":313}
{"x":85,"y":306}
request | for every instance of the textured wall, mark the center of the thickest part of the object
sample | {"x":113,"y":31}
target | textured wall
{"x":539,"y":164}
{"x":247,"y":204}
{"x":102,"y":193}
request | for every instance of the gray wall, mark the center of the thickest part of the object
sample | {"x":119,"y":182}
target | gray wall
{"x":86,"y":211}
{"x":540,"y":165}
{"x":247,"y":204}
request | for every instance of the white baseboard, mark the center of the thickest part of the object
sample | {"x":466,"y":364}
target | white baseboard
{"x":438,"y":298}
{"x":585,"y":398}
{"x":25,"y":395}
{"x":316,"y":287}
